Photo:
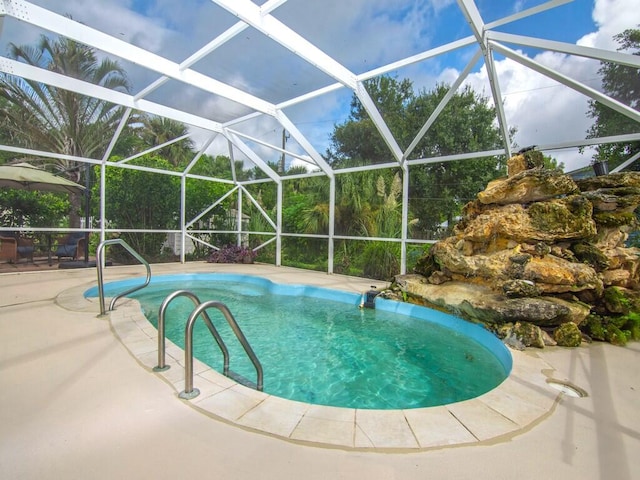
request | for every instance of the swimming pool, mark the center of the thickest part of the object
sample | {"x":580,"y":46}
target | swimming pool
{"x":317,"y":346}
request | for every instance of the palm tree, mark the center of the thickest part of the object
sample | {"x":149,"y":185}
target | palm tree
{"x":38,"y":116}
{"x":158,"y":130}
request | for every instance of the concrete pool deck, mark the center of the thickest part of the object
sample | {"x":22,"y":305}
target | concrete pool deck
{"x":79,"y":400}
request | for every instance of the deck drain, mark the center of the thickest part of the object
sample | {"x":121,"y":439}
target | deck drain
{"x":567,"y":388}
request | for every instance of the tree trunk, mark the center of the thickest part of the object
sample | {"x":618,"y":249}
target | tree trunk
{"x":77,"y":208}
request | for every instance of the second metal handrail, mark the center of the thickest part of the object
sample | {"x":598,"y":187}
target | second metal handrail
{"x":162,"y":328}
{"x":99,"y":267}
{"x":189,"y":392}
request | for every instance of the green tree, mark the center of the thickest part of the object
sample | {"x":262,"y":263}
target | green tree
{"x":621,"y":83}
{"x":39,"y":116}
{"x":142,"y":200}
{"x":32,"y":209}
{"x":357,"y":141}
{"x":159,"y":130}
{"x":437,"y":190}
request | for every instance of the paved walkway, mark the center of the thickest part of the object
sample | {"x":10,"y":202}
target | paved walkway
{"x":76,"y":402}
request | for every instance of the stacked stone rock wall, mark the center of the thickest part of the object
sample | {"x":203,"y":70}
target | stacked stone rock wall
{"x":539,"y":248}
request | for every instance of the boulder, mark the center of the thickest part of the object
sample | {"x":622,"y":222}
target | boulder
{"x":548,"y":274}
{"x":478,"y":302}
{"x":623,"y":199}
{"x":568,"y":335}
{"x":568,"y":218}
{"x":528,"y":186}
{"x":538,"y":249}
{"x":613,"y":180}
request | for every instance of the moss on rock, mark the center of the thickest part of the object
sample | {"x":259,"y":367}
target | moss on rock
{"x":568,"y":335}
{"x":588,"y":253}
{"x":614,"y":219}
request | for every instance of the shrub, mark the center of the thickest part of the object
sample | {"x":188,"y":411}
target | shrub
{"x":232,"y":254}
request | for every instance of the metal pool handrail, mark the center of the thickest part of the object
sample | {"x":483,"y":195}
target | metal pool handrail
{"x":190,"y":392}
{"x":162,"y":366}
{"x":99,"y":267}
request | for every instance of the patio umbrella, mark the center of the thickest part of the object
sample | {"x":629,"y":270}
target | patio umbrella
{"x":24,"y":176}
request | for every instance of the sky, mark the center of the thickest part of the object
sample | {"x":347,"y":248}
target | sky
{"x":361,"y":35}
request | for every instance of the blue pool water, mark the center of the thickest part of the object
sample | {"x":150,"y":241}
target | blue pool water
{"x":317,"y":346}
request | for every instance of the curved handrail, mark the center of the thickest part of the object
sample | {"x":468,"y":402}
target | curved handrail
{"x":189,"y":391}
{"x":162,"y":328}
{"x":99,"y":267}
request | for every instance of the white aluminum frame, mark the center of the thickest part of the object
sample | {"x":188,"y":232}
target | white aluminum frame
{"x":260,"y":18}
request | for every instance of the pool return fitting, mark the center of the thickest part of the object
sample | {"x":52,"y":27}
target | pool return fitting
{"x":369,"y":298}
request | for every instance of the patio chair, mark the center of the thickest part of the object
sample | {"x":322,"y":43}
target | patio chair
{"x":14,"y":247}
{"x":71,"y":245}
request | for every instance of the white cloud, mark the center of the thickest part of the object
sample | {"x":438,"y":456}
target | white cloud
{"x":544,"y":111}
{"x":611,"y":17}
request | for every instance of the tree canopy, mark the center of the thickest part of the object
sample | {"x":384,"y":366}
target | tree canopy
{"x":623,"y":84}
{"x":438,"y":190}
{"x":38,"y":116}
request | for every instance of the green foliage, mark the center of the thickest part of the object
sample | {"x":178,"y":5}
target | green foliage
{"x":142,"y":200}
{"x":308,"y":253}
{"x":32,"y":209}
{"x":622,"y":83}
{"x":381,"y":260}
{"x":615,"y":329}
{"x":437,"y":191}
{"x":43,"y":117}
{"x":159,"y":130}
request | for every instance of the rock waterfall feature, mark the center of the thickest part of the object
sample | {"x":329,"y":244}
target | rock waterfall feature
{"x":539,"y":258}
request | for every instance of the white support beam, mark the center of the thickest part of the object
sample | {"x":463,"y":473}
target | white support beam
{"x":527,"y":13}
{"x":278,"y":237}
{"x":274,"y":147}
{"x":419,"y":57}
{"x":116,"y":135}
{"x":332,"y":223}
{"x":220,"y":40}
{"x":211,"y":207}
{"x":252,"y":14}
{"x":378,"y":121}
{"x":259,"y":207}
{"x":478,"y":27}
{"x":153,"y":149}
{"x":203,"y":148}
{"x":69,"y":28}
{"x":569,"y":82}
{"x":498,"y":103}
{"x":443,"y":103}
{"x":626,"y":163}
{"x":474,"y":19}
{"x":251,"y":155}
{"x":151,"y":87}
{"x":587,"y":52}
{"x":303,"y":142}
{"x":57,"y":80}
{"x":465,"y":42}
{"x":404,"y":234}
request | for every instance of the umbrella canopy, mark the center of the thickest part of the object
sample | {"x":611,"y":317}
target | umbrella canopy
{"x":24,"y":176}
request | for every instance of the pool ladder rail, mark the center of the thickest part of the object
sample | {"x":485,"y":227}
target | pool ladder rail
{"x":189,"y":391}
{"x":100,"y":261}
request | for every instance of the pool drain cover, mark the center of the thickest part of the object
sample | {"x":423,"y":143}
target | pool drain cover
{"x":567,"y":388}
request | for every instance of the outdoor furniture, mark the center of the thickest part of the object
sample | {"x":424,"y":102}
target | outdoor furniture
{"x":14,"y":247}
{"x":71,"y":245}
